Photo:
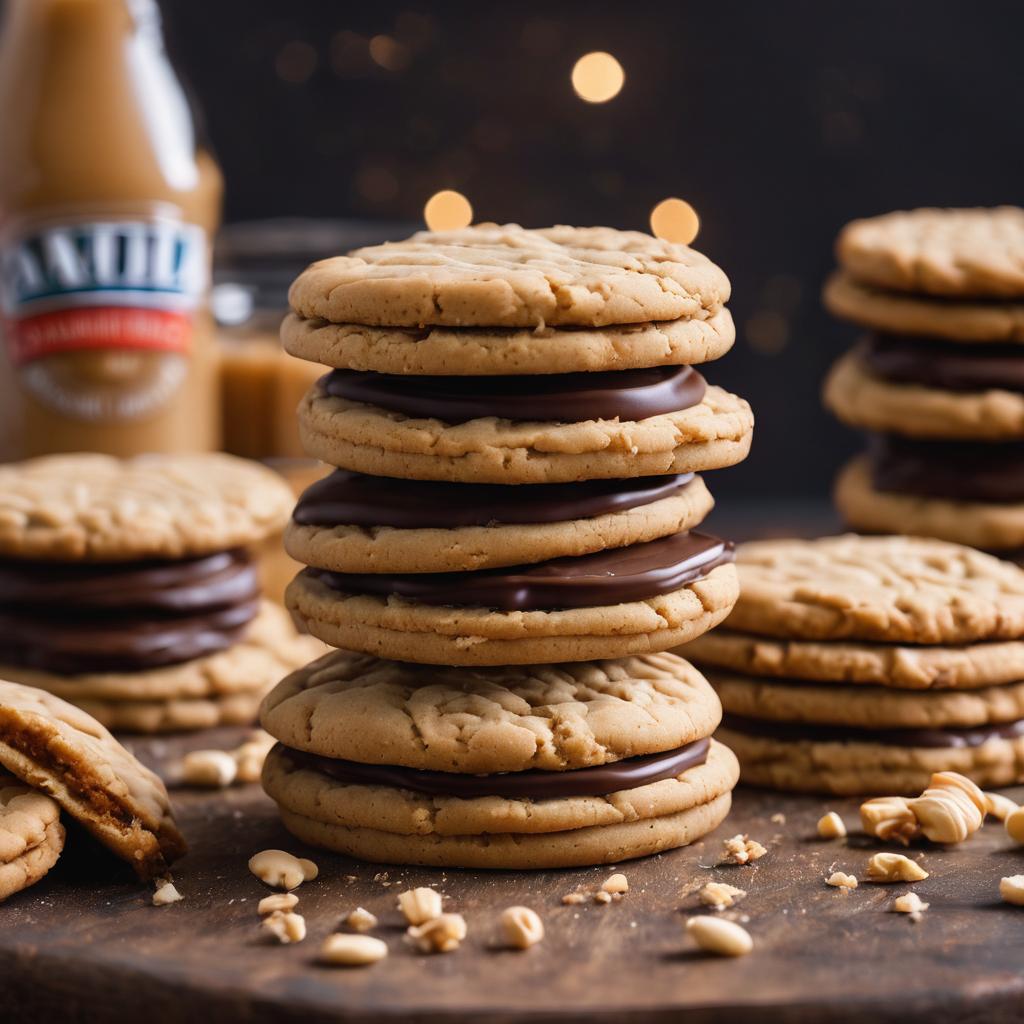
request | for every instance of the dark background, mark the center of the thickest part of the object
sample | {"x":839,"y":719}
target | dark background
{"x":777,"y":121}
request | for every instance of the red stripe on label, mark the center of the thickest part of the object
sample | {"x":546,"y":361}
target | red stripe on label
{"x":102,"y":327}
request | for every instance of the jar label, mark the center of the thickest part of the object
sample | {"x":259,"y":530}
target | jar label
{"x":98,"y":313}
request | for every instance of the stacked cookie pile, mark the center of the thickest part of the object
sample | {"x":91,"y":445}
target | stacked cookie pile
{"x":127,"y":587}
{"x":860,"y":665}
{"x":940,"y":377}
{"x":507,"y":544}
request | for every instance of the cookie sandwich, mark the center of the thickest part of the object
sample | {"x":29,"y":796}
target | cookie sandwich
{"x":538,"y":766}
{"x":938,"y":381}
{"x":127,"y":587}
{"x":517,"y":426}
{"x":858,"y":665}
{"x":56,"y":760}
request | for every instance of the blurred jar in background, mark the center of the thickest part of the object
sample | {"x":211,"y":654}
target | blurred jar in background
{"x":108,"y":207}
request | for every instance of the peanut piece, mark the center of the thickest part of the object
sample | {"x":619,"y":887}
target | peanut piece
{"x":841,"y":880}
{"x":215,"y":769}
{"x":910,"y":903}
{"x":894,"y":867}
{"x":166,"y":893}
{"x":999,"y":806}
{"x":361,"y":920}
{"x":249,"y":757}
{"x":277,"y":901}
{"x":950,"y":810}
{"x":716,"y":935}
{"x":718,"y":895}
{"x":742,"y":849}
{"x":1012,"y":889}
{"x":522,"y":926}
{"x":285,"y":926}
{"x":831,"y":826}
{"x":616,"y":883}
{"x":439,"y":935}
{"x":352,"y":950}
{"x":280,"y":870}
{"x":420,"y":905}
{"x":1014,"y":825}
{"x":889,"y":817}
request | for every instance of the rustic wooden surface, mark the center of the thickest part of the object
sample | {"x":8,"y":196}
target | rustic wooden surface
{"x":85,"y":945}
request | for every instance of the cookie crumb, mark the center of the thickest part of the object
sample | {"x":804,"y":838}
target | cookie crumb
{"x":361,"y":920}
{"x":910,"y":903}
{"x":522,"y":926}
{"x":718,"y":936}
{"x":440,"y":935}
{"x":285,"y":926}
{"x":602,"y":897}
{"x":573,"y":898}
{"x":166,"y":893}
{"x":420,"y":905}
{"x":281,"y":870}
{"x":615,"y":884}
{"x":831,"y":826}
{"x":778,"y":818}
{"x":741,"y":849}
{"x":719,"y":895}
{"x":1011,"y":889}
{"x":841,"y":880}
{"x":352,"y":950}
{"x":894,"y":867}
{"x":275,"y":902}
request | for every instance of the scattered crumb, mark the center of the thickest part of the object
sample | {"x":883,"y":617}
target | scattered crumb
{"x":910,"y":903}
{"x":617,"y":883}
{"x":841,"y":880}
{"x":602,"y":897}
{"x":741,"y":849}
{"x":361,"y":920}
{"x":166,"y":893}
{"x":719,"y":895}
{"x":831,"y":826}
{"x":571,"y":898}
{"x":778,"y":819}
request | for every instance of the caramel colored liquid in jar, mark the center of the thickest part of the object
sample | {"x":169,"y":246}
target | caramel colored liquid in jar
{"x":107,"y":213}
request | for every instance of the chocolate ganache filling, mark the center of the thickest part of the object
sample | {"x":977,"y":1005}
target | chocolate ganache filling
{"x":359,"y":500}
{"x":608,"y":577}
{"x":598,"y":780}
{"x":953,"y":737}
{"x":943,"y":364}
{"x":123,"y":617}
{"x":561,"y":397}
{"x":956,"y":470}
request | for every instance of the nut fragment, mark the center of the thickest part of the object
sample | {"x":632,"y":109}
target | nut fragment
{"x":894,"y":867}
{"x":439,"y":935}
{"x":910,"y":903}
{"x":214,"y":769}
{"x":277,"y":901}
{"x":361,"y":920}
{"x":249,"y":757}
{"x":573,"y":898}
{"x":1014,"y":825}
{"x":999,"y":806}
{"x":420,"y":905}
{"x":742,"y":849}
{"x":716,"y":935}
{"x":602,"y":897}
{"x":352,"y":950}
{"x":617,"y":883}
{"x":166,"y":893}
{"x":888,"y":818}
{"x":719,"y":895}
{"x":1012,"y":889}
{"x":281,"y":870}
{"x":841,"y":880}
{"x":285,"y":926}
{"x":831,"y":826}
{"x":950,"y":810}
{"x":522,"y":926}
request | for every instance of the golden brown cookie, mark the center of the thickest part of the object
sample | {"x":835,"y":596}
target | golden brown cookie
{"x":445,"y":635}
{"x":861,"y":399}
{"x":958,"y":320}
{"x":968,"y":253}
{"x":495,"y":275}
{"x":61,"y":751}
{"x":97,"y":508}
{"x":464,"y":351}
{"x":889,"y":589}
{"x":367,"y":439}
{"x":902,"y":666}
{"x":31,"y":835}
{"x":978,"y":524}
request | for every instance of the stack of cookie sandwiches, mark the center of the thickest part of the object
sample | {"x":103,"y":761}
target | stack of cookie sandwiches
{"x":860,"y":665}
{"x":128,"y":589}
{"x":939,"y":379}
{"x":516,"y":425}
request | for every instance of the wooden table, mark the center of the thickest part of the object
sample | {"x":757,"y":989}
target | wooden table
{"x":85,"y":946}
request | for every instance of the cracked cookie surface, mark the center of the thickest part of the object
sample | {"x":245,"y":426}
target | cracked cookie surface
{"x":31,"y":835}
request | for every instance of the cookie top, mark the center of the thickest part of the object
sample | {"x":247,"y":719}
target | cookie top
{"x":972,"y":253}
{"x":898,"y":589}
{"x":25,"y":816}
{"x":65,"y":753}
{"x":98,"y":508}
{"x":553,"y":717}
{"x":495,"y":275}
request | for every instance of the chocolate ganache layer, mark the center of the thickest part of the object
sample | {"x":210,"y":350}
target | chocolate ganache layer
{"x":559,"y":398}
{"x":943,"y":364}
{"x":956,"y":738}
{"x":955,"y":470}
{"x":123,"y":617}
{"x":599,"y":780}
{"x":608,"y":577}
{"x":345,"y":498}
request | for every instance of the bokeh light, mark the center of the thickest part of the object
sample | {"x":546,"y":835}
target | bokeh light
{"x":675,"y":220}
{"x":447,"y":211}
{"x":597,"y":77}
